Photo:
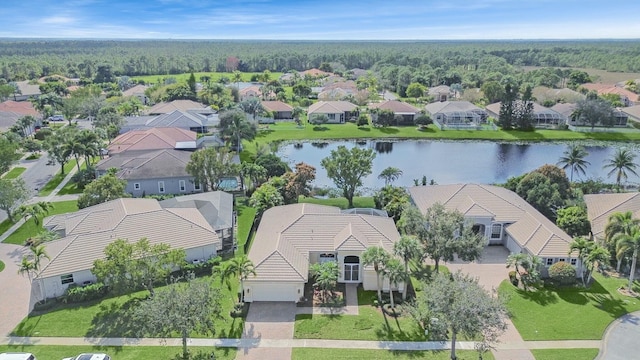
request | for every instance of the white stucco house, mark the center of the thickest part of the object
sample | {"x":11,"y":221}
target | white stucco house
{"x":503,"y":217}
{"x":86,"y":233}
{"x":291,"y":237}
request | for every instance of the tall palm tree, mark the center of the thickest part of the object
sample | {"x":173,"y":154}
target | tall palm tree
{"x":583,"y":246}
{"x":621,"y":163}
{"x":390,"y":175}
{"x":326,"y":276}
{"x":573,"y":158}
{"x":395,"y":272}
{"x":240,"y":268}
{"x":26,"y":267}
{"x":407,"y":248}
{"x":236,"y":76}
{"x":517,"y":260}
{"x":377,"y":257}
{"x":619,"y":223}
{"x":597,"y":255}
{"x":626,"y":243}
{"x":38,"y":252}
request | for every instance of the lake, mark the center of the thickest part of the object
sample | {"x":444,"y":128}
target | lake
{"x":449,"y":162}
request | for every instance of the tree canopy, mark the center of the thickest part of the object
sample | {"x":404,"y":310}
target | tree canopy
{"x":209,"y":165}
{"x":105,"y":188}
{"x":347,"y":168}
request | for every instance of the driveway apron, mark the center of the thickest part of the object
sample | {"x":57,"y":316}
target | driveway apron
{"x":268,"y":320}
{"x":15,"y":295}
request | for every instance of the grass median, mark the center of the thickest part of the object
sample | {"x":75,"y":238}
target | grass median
{"x":57,"y":179}
{"x":14,"y":173}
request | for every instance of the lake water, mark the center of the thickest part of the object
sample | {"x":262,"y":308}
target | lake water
{"x":449,"y":162}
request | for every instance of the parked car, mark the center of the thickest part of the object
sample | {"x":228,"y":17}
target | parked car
{"x":90,"y":357}
{"x":17,"y":356}
{"x":56,"y":118}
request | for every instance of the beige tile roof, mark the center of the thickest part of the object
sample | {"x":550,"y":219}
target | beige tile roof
{"x":601,"y":206}
{"x":529,"y":228}
{"x":153,"y":164}
{"x":633,"y":111}
{"x":88,"y":231}
{"x":151,"y":139}
{"x":276,"y":106}
{"x":182,"y":105}
{"x":138,"y":89}
{"x":331,"y":107}
{"x":286,"y":235}
{"x":611,"y":89}
{"x":315,"y":73}
{"x":398,"y":107}
{"x":19,"y":107}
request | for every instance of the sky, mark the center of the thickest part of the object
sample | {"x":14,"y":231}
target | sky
{"x":321,"y":20}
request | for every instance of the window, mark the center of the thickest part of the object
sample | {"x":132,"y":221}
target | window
{"x":549,"y":261}
{"x":331,"y":116}
{"x":196,"y":187}
{"x":574,"y":262}
{"x":161,"y":186}
{"x":183,"y":185}
{"x":561,"y":260}
{"x":136,"y":186}
{"x":496,"y":231}
{"x":66,"y":279}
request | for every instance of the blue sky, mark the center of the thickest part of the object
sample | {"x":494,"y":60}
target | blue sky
{"x":328,"y":19}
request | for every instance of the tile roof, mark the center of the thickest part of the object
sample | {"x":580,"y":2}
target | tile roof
{"x":19,"y":107}
{"x":315,"y":73}
{"x":566,"y":109}
{"x":215,"y":206}
{"x":331,"y":107}
{"x":178,"y":118}
{"x":276,"y":106}
{"x":529,"y":228}
{"x":154,"y":164}
{"x":88,"y":231}
{"x":398,"y":107}
{"x":8,"y":119}
{"x":633,"y":111}
{"x":601,"y":206}
{"x":451,"y":106}
{"x":151,"y":139}
{"x":440,"y":89}
{"x":136,"y":90}
{"x":537,"y":108}
{"x":288,"y":233}
{"x":611,"y":89}
{"x":167,"y":107}
{"x":27,"y":89}
{"x":251,"y":89}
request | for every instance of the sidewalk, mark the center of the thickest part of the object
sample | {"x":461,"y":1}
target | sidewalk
{"x":297,"y":343}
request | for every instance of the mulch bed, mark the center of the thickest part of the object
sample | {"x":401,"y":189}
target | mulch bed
{"x":314,"y":298}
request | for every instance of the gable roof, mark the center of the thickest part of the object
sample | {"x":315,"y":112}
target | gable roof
{"x":601,"y":206}
{"x":276,"y":106}
{"x":451,"y":106}
{"x":178,"y":118}
{"x":136,"y":90}
{"x":167,"y":107}
{"x":27,"y":89}
{"x":398,"y":107}
{"x":633,"y":111}
{"x":151,"y":139}
{"x":537,"y":108}
{"x":215,"y":206}
{"x":440,"y":89}
{"x":611,"y":89}
{"x":566,"y":109}
{"x":19,"y":107}
{"x":331,"y":107}
{"x":155,"y":164}
{"x":315,"y":73}
{"x":288,"y":233}
{"x":251,"y":88}
{"x":529,"y":228}
{"x":88,"y":231}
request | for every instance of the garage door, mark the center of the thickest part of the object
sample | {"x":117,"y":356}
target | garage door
{"x":273,"y":292}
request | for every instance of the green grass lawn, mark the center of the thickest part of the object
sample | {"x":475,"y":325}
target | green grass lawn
{"x":1,"y":266}
{"x":29,"y":228}
{"x":215,"y":76}
{"x":5,"y":225}
{"x":370,"y":324}
{"x":14,"y":173}
{"x":111,"y":317}
{"x":366,"y":354}
{"x":565,"y":354}
{"x":246,"y":215}
{"x":72,"y":187}
{"x":342,"y":203}
{"x":47,"y":352}
{"x":57,"y":179}
{"x":570,"y":313}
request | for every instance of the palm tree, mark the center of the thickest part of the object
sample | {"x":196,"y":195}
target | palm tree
{"x":517,"y":260}
{"x":573,"y":158}
{"x":296,"y":113}
{"x":26,"y":266}
{"x":584,"y":247}
{"x":377,"y":257}
{"x":407,"y":248}
{"x":240,"y":268}
{"x":532,"y":271}
{"x":629,"y":242}
{"x":619,"y":223}
{"x":236,"y":77}
{"x":597,"y":255}
{"x":38,"y":253}
{"x":390,"y":175}
{"x":621,"y":163}
{"x":396,"y":274}
{"x":326,"y":276}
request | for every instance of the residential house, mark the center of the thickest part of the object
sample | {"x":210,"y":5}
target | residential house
{"x":194,"y":120}
{"x":26,"y":91}
{"x":566,"y":110}
{"x":292,"y":237}
{"x":503,"y":217}
{"x":543,"y":117}
{"x":564,"y":95}
{"x":11,"y":111}
{"x":154,"y":172}
{"x":456,"y":114}
{"x":440,"y":93}
{"x":154,"y":139}
{"x":600,"y":207}
{"x":399,"y":108}
{"x":86,"y":233}
{"x":337,"y":111}
{"x":139,"y":92}
{"x":182,"y":105}
{"x":249,"y":92}
{"x":632,"y":112}
{"x":315,"y":73}
{"x":279,"y":109}
{"x":627,"y":97}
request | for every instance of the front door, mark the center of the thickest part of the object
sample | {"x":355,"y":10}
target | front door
{"x":352,"y":272}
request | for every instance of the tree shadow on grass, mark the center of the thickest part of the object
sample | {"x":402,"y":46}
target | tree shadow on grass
{"x":392,"y":330}
{"x":320,"y":128}
{"x":389,"y":130}
{"x":234,"y":331}
{"x":542,"y":296}
{"x":116,"y":320}
{"x":367,"y":129}
{"x":263,"y":133}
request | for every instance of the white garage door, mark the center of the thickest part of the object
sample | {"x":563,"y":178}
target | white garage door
{"x":274,"y":291}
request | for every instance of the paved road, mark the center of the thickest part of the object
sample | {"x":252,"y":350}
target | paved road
{"x":621,"y":338}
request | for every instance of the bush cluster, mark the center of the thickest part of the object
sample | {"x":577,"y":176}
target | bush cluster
{"x":513,"y":278}
{"x":563,"y":273}
{"x":75,"y":293}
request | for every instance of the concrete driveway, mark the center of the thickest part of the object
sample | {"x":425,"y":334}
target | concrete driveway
{"x":621,"y":338}
{"x":15,"y":295}
{"x":268,"y":320}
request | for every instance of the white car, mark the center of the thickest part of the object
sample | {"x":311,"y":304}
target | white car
{"x":90,"y":357}
{"x":17,"y":356}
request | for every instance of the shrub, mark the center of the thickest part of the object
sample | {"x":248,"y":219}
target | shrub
{"x":83,"y":177}
{"x":563,"y":273}
{"x":513,"y":278}
{"x":75,"y":294}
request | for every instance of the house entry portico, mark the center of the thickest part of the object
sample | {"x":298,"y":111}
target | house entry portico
{"x":351,"y":269}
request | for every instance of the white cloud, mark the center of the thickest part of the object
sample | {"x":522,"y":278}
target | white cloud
{"x":58,"y":20}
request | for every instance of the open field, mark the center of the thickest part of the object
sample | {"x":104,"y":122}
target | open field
{"x":215,"y":76}
{"x":29,"y":228}
{"x":598,"y":75}
{"x":48,"y":352}
{"x":545,"y":313}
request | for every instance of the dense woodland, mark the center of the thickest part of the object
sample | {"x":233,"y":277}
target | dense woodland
{"x":470,"y":61}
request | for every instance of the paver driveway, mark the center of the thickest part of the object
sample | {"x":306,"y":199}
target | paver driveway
{"x":15,"y":292}
{"x":268,"y":320}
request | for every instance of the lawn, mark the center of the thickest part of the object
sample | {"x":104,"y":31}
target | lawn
{"x":569,"y":313}
{"x":29,"y":228}
{"x":117,"y":352}
{"x":111,"y":317}
{"x":14,"y":173}
{"x":71,"y":187}
{"x":1,"y":266}
{"x":370,"y":324}
{"x":366,"y":354}
{"x":565,"y":354}
{"x":358,"y":202}
{"x":215,"y":76}
{"x":246,"y":215}
{"x":5,"y":225}
{"x":57,"y":179}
